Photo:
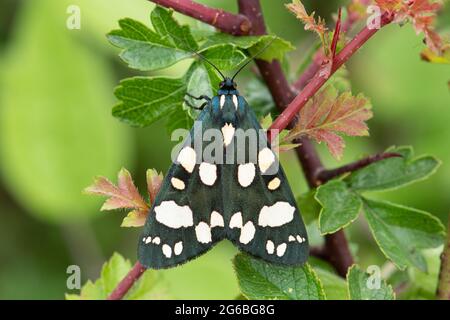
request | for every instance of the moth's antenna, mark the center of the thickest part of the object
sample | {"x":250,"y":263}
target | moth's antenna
{"x":210,"y":63}
{"x":253,"y":57}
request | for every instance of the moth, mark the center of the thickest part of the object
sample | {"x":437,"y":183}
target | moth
{"x":247,"y":200}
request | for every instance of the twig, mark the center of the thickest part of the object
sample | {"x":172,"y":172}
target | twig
{"x":223,"y":20}
{"x":122,"y":288}
{"x":326,"y":175}
{"x":309,"y":73}
{"x":443,"y":291}
{"x":318,"y":252}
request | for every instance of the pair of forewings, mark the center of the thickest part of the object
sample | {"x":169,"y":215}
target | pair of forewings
{"x":200,"y":204}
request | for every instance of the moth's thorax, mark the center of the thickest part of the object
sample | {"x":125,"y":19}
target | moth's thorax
{"x":228,"y":107}
{"x":226,"y":91}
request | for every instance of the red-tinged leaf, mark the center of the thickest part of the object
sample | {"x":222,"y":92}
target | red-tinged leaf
{"x":335,"y":143}
{"x":424,"y":6}
{"x":135,"y":218}
{"x":430,"y":56}
{"x":129,"y":190}
{"x":318,"y":26}
{"x":123,"y":196}
{"x":329,"y":115}
{"x":422,"y":14}
{"x":357,"y":9}
{"x":154,"y":181}
{"x":390,"y":5}
{"x":309,"y":21}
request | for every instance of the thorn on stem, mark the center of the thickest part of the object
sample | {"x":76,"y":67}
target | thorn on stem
{"x":336,"y":34}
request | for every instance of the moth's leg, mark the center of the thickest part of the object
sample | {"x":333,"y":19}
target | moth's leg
{"x":195,"y":107}
{"x":202,"y":97}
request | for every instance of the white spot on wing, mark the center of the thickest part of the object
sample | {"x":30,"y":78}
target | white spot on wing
{"x":208,"y":173}
{"x":148,"y":240}
{"x":177,"y":183}
{"x":187,"y":158}
{"x":174,"y":216}
{"x":276,"y":215}
{"x":167,"y":250}
{"x":299,"y":239}
{"x":178,"y":248}
{"x":274,"y":184}
{"x":247,"y":233}
{"x":227,"y":133}
{"x":216,"y":220}
{"x":236,"y":220}
{"x":291,"y":238}
{"x":246,"y":174}
{"x":203,"y":232}
{"x":235,"y":101}
{"x":270,"y":247}
{"x":222,"y":101}
{"x":156,"y":240}
{"x":265,"y":159}
{"x":281,"y":249}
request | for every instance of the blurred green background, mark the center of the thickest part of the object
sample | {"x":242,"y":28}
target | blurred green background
{"x":57,"y":133}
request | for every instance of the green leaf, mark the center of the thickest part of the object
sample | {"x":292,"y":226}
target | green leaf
{"x":334,"y":286}
{"x":144,"y":49}
{"x":113,"y":272}
{"x":179,"y":119}
{"x":395,"y":172}
{"x":401,"y":232}
{"x":423,"y":285}
{"x":309,"y":207}
{"x":202,"y":31}
{"x":261,"y":280}
{"x":340,"y":206}
{"x":90,"y":291}
{"x":145,"y":100}
{"x":150,"y":284}
{"x":276,"y":50}
{"x":259,"y":98}
{"x":224,"y":57}
{"x":201,"y":80}
{"x":360,"y":286}
{"x":168,"y":28}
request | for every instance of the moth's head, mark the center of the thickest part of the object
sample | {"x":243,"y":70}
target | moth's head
{"x":227,"y":86}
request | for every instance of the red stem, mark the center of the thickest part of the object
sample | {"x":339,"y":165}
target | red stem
{"x":223,"y":20}
{"x":337,"y":32}
{"x":322,"y":76}
{"x":307,"y":75}
{"x":327,"y":175}
{"x":122,"y":288}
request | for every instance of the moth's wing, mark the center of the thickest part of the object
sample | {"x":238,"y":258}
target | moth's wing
{"x":179,"y":226}
{"x":272,"y":227}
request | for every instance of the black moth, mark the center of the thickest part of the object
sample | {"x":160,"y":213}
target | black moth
{"x":247,"y":200}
